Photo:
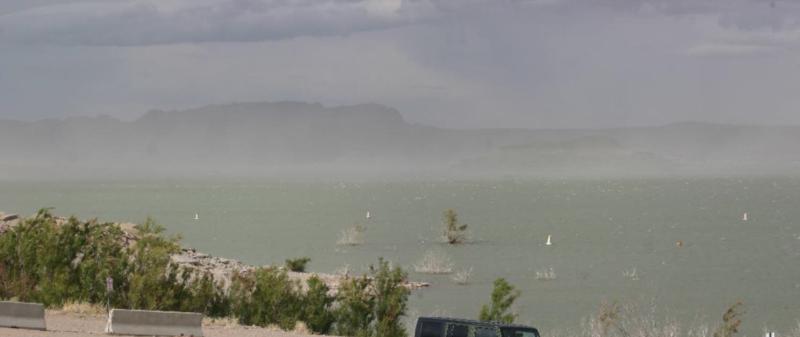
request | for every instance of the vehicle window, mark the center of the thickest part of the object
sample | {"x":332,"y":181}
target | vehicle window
{"x":519,"y":333}
{"x":431,"y":329}
{"x":485,"y":332}
{"x":457,"y":330}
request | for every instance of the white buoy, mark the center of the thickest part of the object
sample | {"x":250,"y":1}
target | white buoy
{"x":368,"y":216}
{"x":197,"y":216}
{"x":744,"y":216}
{"x":548,"y":243}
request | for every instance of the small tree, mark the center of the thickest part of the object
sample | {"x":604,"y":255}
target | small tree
{"x":453,"y":232}
{"x":503,"y":296}
{"x":391,"y":299}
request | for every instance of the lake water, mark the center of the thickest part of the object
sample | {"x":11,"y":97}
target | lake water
{"x":600,"y":229}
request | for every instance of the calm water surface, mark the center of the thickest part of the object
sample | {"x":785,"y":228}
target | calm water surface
{"x":600,"y":229}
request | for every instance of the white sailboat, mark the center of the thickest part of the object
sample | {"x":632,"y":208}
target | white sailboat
{"x":368,"y":215}
{"x":197,"y":216}
{"x":744,"y":216}
{"x":548,"y":243}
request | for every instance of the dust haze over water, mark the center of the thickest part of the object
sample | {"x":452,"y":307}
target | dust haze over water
{"x":291,"y":140}
{"x":682,"y":114}
{"x":639,"y":87}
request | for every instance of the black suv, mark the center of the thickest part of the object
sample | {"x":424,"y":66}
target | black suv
{"x":455,"y":327}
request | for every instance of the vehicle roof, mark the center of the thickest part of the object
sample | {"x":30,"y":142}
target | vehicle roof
{"x":473,"y":321}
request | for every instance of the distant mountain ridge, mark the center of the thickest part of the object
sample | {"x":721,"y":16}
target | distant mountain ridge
{"x":261,"y":138}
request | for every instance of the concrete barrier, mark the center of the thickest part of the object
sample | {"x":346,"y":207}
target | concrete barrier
{"x":154,"y":323}
{"x":22,"y":315}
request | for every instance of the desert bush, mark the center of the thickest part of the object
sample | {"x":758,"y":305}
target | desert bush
{"x":60,"y":262}
{"x":318,"y":306}
{"x":50,"y":263}
{"x":343,"y":271}
{"x":391,"y":299}
{"x":632,"y":320}
{"x":454,"y":232}
{"x":546,"y":274}
{"x":151,"y":285}
{"x":207,"y":296}
{"x":434,"y":262}
{"x":352,"y":236}
{"x":462,"y":277}
{"x":83,"y":309}
{"x":298,"y":264}
{"x":373,"y":305}
{"x":503,"y":296}
{"x":631,"y":274}
{"x":356,"y":308}
{"x":267,"y":297}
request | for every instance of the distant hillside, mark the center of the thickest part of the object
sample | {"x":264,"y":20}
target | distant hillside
{"x":263,"y":139}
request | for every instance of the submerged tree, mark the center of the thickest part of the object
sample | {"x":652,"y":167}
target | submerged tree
{"x":454,"y":232}
{"x":731,"y":320}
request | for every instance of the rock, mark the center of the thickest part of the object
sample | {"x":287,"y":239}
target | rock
{"x":9,"y":217}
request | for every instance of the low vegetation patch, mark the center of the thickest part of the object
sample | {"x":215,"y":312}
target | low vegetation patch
{"x":298,"y":265}
{"x":352,"y":236}
{"x":632,"y":320}
{"x":546,"y":274}
{"x":434,"y":262}
{"x":462,"y":277}
{"x":64,"y":263}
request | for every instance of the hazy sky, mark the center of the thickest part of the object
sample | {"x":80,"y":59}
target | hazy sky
{"x":456,"y":63}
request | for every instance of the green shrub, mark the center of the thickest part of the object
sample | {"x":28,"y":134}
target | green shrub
{"x":268,"y":297}
{"x":44,"y":262}
{"x":318,"y":306}
{"x":373,"y":305}
{"x":356,"y":307}
{"x":503,"y":296}
{"x":150,"y":284}
{"x":298,"y":264}
{"x":206,"y":296}
{"x":391,"y":300}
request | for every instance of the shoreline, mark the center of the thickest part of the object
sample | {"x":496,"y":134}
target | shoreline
{"x":222,"y":269}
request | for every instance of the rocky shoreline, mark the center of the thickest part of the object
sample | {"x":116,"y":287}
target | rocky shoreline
{"x":221,"y":269}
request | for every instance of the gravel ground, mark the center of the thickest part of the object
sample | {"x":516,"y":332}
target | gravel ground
{"x":73,"y":325}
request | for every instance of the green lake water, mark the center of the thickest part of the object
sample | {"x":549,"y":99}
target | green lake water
{"x":599,"y":228}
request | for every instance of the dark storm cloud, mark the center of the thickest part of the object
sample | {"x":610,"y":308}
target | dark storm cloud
{"x":140,"y":22}
{"x":457,"y":63}
{"x":132,"y":23}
